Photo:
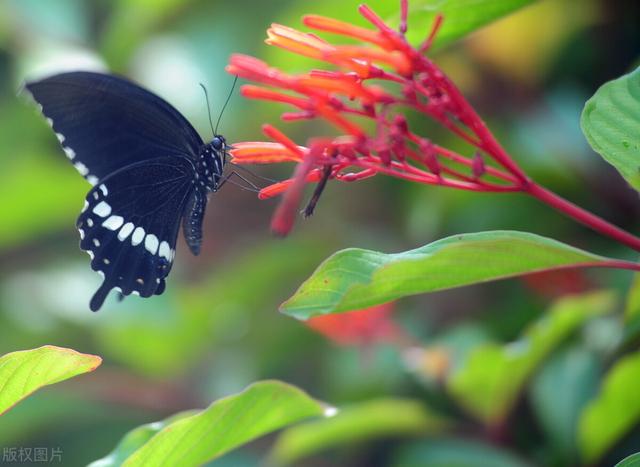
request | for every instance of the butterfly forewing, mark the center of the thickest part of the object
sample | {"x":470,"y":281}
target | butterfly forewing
{"x":105,"y":123}
{"x":130,"y":223}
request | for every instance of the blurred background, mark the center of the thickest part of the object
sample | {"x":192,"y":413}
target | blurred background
{"x":216,"y":329}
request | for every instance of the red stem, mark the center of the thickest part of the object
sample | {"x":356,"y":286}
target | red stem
{"x":404,"y":13}
{"x":584,"y":217}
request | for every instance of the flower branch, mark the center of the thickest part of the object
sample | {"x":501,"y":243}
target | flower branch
{"x":364,"y":87}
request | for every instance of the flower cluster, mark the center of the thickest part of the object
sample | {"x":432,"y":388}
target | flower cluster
{"x":365,"y":95}
{"x":351,"y":93}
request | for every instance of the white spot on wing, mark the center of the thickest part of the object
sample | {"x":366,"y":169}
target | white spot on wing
{"x":104,"y":190}
{"x":60,"y":137}
{"x":113,"y":222}
{"x":165,"y":250}
{"x":81,"y":234}
{"x":90,"y":222}
{"x":102,"y":209}
{"x":81,"y":168}
{"x":69,"y":152}
{"x":92,"y":179}
{"x":125,"y":231}
{"x":86,"y":205}
{"x":138,"y":236}
{"x":96,"y":242}
{"x":151,"y":243}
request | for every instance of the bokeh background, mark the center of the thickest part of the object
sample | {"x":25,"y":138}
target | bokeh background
{"x":217,"y":328}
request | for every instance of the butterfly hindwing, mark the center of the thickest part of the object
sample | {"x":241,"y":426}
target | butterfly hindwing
{"x":105,"y":123}
{"x":130,"y":223}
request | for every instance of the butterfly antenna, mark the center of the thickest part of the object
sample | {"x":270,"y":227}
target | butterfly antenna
{"x":206,"y":96}
{"x":235,"y":80}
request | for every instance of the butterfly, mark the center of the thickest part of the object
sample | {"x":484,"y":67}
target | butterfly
{"x":149,"y":168}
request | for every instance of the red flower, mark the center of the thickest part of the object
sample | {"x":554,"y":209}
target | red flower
{"x":346,"y":95}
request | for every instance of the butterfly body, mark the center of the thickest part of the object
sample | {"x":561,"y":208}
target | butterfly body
{"x":150,"y":170}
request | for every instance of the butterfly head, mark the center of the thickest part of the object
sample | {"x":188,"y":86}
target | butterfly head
{"x":220,"y":146}
{"x":218,"y":142}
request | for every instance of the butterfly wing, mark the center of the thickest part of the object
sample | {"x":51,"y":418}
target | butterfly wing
{"x":130,"y":223}
{"x":105,"y":123}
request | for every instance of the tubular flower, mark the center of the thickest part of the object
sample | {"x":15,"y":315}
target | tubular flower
{"x":351,"y":94}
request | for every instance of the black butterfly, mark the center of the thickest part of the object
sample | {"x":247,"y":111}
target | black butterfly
{"x":149,"y":169}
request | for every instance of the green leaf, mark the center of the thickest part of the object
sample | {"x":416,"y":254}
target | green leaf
{"x":455,"y":453}
{"x":560,"y":392}
{"x":489,"y":382}
{"x":461,"y":17}
{"x":353,"y":279}
{"x":26,"y":371}
{"x":226,"y":424}
{"x":380,"y":418}
{"x":632,"y":461}
{"x":614,"y":412}
{"x":135,"y":439}
{"x":611,"y":121}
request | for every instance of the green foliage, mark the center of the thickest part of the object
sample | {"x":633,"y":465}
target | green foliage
{"x":354,"y":278}
{"x":610,"y":122}
{"x":215,"y":329}
{"x":488,"y":384}
{"x":204,"y":314}
{"x":559,"y":393}
{"x":191,"y":439}
{"x":370,"y":420}
{"x":614,"y":411}
{"x":461,"y":17}
{"x":632,"y":461}
{"x":632,"y":308}
{"x":135,"y":439}
{"x":26,"y":371}
{"x":455,"y":453}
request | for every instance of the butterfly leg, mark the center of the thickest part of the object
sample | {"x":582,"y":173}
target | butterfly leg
{"x":227,"y":178}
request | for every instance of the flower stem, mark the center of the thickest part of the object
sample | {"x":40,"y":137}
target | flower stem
{"x":584,"y":217}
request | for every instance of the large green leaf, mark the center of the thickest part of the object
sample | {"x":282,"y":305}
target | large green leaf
{"x":488,"y":384}
{"x":135,"y":439}
{"x":616,"y":409}
{"x":381,"y":418}
{"x":354,"y":278}
{"x":611,"y":122}
{"x":461,"y":17}
{"x":26,"y":371}
{"x":226,"y":424}
{"x":632,"y":461}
